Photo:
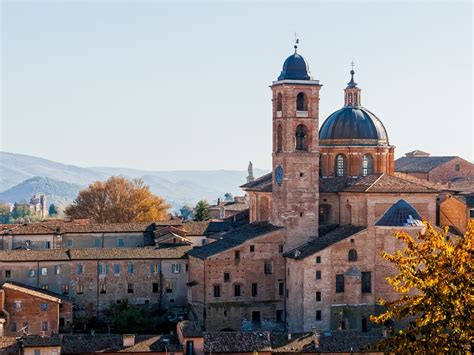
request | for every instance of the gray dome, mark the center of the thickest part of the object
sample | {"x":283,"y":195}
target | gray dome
{"x":353,"y":125}
{"x":295,"y":68}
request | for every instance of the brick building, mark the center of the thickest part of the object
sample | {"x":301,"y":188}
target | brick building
{"x":456,"y":210}
{"x":28,"y":310}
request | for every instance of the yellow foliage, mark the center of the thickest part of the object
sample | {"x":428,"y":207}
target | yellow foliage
{"x":436,"y":279}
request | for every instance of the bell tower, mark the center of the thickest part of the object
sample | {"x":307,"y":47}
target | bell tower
{"x":295,"y":196}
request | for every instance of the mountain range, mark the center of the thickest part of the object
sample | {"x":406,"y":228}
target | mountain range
{"x":22,"y":176}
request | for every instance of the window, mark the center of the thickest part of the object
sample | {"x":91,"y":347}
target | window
{"x":103,"y":288}
{"x":252,"y":248}
{"x":120,"y":242}
{"x":237,"y":255}
{"x":471,"y":213}
{"x":80,"y":289}
{"x":69,"y":243}
{"x":116,"y":269}
{"x":37,"y":352}
{"x":281,"y":289}
{"x":47,"y":244}
{"x":318,"y":274}
{"x":279,"y":315}
{"x":366,"y":282}
{"x":13,"y":327}
{"x":324,"y":213}
{"x":318,"y":315}
{"x":130,"y":268}
{"x":318,"y":260}
{"x":32,"y":273}
{"x":203,"y":241}
{"x":97,"y":243}
{"x":254,"y":289}
{"x":339,"y":283}
{"x":102,"y":269}
{"x":301,"y":137}
{"x":44,"y":306}
{"x":175,"y":268}
{"x":129,"y":288}
{"x":268,"y":269}
{"x":280,"y":248}
{"x":8,"y":274}
{"x":80,"y":269}
{"x":17,"y":305}
{"x":301,"y":102}
{"x":352,"y":255}
{"x":155,"y":268}
{"x":341,"y":165}
{"x":318,"y":296}
{"x":45,"y":287}
{"x":44,"y":326}
{"x":57,"y":269}
{"x":367,"y":165}
{"x":65,"y":289}
{"x":457,"y":167}
{"x":226,"y":277}
{"x":217,"y":290}
{"x":279,"y":102}
{"x":279,"y":139}
{"x":169,"y":287}
{"x":256,"y":317}
{"x":237,"y":290}
{"x":155,"y":287}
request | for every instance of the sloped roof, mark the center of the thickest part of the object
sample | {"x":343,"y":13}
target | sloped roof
{"x":263,"y":183}
{"x":36,"y":292}
{"x":467,"y":199}
{"x":95,"y":254}
{"x":420,"y":164}
{"x":324,"y":240}
{"x":233,"y":238}
{"x":39,"y":341}
{"x":400,"y":214}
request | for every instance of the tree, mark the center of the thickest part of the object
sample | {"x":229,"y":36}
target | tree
{"x":118,"y":200}
{"x":228,"y":197}
{"x":186,"y":212}
{"x":201,"y":211}
{"x":21,"y":213}
{"x":436,"y":279}
{"x":5,"y":214}
{"x":52,"y":210}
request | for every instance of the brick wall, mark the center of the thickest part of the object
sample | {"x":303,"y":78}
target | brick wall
{"x":448,"y":171}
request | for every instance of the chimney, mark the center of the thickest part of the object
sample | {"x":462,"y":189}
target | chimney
{"x":128,"y":340}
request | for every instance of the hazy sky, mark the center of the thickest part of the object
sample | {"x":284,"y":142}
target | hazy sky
{"x":162,"y":85}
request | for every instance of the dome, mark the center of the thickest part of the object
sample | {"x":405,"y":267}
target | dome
{"x":353,"y":125}
{"x":295,"y":68}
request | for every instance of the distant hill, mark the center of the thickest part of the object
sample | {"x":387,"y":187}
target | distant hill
{"x":177,"y":187}
{"x":58,"y":192}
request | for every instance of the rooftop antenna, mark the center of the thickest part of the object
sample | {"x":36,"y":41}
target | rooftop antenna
{"x":297,"y":40}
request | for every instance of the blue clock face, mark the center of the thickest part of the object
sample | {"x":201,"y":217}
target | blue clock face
{"x":279,"y":174}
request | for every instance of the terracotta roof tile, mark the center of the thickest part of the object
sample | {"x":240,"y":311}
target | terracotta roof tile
{"x":420,"y":164}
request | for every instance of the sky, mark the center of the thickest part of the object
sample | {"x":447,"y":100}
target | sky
{"x":171,"y":85}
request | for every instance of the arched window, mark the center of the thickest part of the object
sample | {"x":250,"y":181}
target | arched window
{"x":352,"y":255}
{"x":301,"y":102}
{"x":341,"y":165}
{"x":279,"y":102}
{"x":324,"y":214}
{"x":279,"y":142}
{"x":367,"y":165}
{"x":301,"y":137}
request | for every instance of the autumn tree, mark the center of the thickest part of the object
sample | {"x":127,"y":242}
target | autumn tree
{"x":118,"y":200}
{"x":435,"y":280}
{"x":201,"y":211}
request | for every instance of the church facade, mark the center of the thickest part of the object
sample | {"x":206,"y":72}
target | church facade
{"x":310,"y":256}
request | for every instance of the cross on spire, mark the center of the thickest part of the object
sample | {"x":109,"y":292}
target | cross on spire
{"x":297,"y":40}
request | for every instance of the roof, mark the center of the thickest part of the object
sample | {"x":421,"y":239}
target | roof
{"x":235,"y":342}
{"x":177,"y":252}
{"x":77,"y":344}
{"x":400,"y":214}
{"x":190,"y":329}
{"x":263,"y":183}
{"x":467,"y":199}
{"x":9,"y":345}
{"x":295,"y":68}
{"x":417,"y":152}
{"x":38,"y":341}
{"x":353,"y":125}
{"x":36,"y":292}
{"x":233,"y":238}
{"x":420,"y":164}
{"x":324,"y":240}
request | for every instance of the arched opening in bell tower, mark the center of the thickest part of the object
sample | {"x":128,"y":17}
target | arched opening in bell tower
{"x":302,"y":138}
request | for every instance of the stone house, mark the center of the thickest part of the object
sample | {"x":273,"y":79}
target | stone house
{"x":28,"y":310}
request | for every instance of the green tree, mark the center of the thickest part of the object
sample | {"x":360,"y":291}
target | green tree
{"x":201,"y":211}
{"x":52,"y":210}
{"x":5,"y":214}
{"x":118,"y":200}
{"x":228,"y":197}
{"x":436,"y":283}
{"x":21,"y":213}
{"x":186,"y":212}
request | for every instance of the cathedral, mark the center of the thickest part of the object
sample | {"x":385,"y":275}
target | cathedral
{"x":310,"y":257}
